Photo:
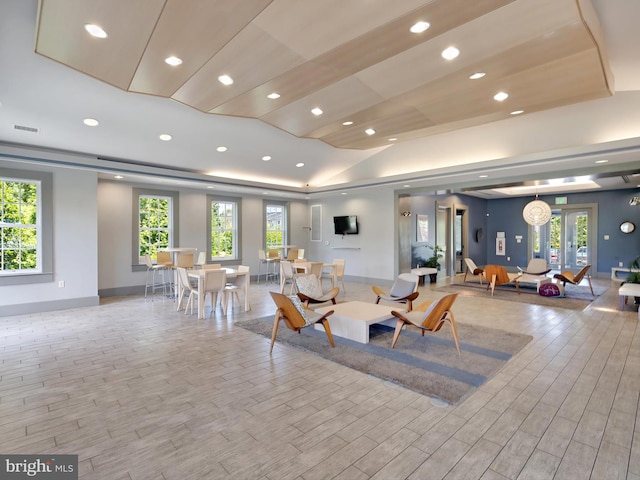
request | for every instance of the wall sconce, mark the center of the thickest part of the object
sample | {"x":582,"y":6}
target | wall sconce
{"x":634,"y":201}
{"x":405,"y":214}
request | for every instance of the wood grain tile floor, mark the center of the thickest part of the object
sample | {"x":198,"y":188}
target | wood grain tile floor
{"x":140,"y":391}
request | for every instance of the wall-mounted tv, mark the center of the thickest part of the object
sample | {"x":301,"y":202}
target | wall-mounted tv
{"x":345,"y":225}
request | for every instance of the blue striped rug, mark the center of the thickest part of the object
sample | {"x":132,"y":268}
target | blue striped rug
{"x":429,"y":365}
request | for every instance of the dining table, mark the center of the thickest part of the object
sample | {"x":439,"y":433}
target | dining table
{"x":241,"y":279}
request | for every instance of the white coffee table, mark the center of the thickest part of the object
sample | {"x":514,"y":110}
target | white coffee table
{"x":352,"y":319}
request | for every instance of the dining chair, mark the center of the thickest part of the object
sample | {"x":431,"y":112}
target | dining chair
{"x":215,"y":282}
{"x":231,"y":288}
{"x":340,"y":264}
{"x":296,"y":317}
{"x":292,"y":254}
{"x":428,"y":317}
{"x":184,"y":287}
{"x":287,"y":275}
{"x":316,"y":269}
{"x":201,"y":260}
{"x":301,"y":254}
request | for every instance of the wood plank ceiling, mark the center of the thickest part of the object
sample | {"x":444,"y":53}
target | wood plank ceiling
{"x":356,"y":60}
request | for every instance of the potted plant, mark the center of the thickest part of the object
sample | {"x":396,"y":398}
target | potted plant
{"x":634,"y":277}
{"x":434,"y":262}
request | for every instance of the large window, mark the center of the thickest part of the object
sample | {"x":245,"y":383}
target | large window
{"x":26,"y":227}
{"x":275,"y":224}
{"x":223,"y":221}
{"x":19,"y":226}
{"x":154,"y":218}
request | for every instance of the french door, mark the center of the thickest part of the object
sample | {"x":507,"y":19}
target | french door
{"x":568,"y":240}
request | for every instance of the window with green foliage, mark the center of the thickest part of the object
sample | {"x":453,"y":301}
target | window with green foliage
{"x":224,"y":230}
{"x":275,"y":224}
{"x":155,"y":222}
{"x":20,"y":226}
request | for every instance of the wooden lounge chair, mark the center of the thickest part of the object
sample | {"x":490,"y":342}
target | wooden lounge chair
{"x":296,"y":317}
{"x":429,"y":317}
{"x":569,"y":277}
{"x":404,"y":290}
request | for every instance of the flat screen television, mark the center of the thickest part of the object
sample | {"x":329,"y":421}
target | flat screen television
{"x":345,"y":225}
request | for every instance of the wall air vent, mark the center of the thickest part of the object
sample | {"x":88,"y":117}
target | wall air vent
{"x":26,"y":129}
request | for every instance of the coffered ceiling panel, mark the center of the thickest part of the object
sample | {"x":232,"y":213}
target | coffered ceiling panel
{"x":356,"y":59}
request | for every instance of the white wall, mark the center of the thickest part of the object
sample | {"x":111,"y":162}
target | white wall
{"x":115,"y":208}
{"x":371,"y":255}
{"x":75,"y":240}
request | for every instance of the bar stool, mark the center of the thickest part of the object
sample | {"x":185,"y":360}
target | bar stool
{"x":153,"y":270}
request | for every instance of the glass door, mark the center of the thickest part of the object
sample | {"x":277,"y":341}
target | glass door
{"x":567,"y":241}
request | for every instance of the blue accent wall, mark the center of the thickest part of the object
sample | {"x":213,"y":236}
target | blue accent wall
{"x":505,"y":215}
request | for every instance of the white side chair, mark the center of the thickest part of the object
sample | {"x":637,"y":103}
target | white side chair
{"x":340,"y":264}
{"x":231,"y":288}
{"x":185,"y":289}
{"x":287,"y":275}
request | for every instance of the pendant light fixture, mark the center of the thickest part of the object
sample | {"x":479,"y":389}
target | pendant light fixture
{"x":536,"y":212}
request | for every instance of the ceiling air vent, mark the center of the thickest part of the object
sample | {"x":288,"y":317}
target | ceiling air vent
{"x":26,"y":129}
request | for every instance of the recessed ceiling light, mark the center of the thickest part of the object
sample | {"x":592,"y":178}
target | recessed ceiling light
{"x":266,"y":158}
{"x":316,"y":111}
{"x":173,"y":61}
{"x":165,"y":137}
{"x":450,"y":53}
{"x":118,"y":177}
{"x":393,"y":139}
{"x":300,"y":164}
{"x":602,"y":161}
{"x":483,"y":176}
{"x":273,"y":95}
{"x":370,"y":131}
{"x":517,"y":112}
{"x":477,"y":75}
{"x":91,"y":122}
{"x":221,"y":149}
{"x":225,"y":80}
{"x":347,"y":123}
{"x":419,"y":27}
{"x":501,"y":96}
{"x":211,"y":187}
{"x":406,"y":186}
{"x":265,"y":193}
{"x":95,"y":30}
{"x":343,"y":193}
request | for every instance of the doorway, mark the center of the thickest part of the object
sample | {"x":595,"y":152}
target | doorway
{"x":451,"y":235}
{"x":568,"y":240}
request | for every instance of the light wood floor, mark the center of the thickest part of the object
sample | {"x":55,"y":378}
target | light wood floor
{"x":140,"y":391}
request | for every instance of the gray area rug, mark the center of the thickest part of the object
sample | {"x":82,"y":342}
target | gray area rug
{"x":577,"y":297}
{"x":428,"y":365}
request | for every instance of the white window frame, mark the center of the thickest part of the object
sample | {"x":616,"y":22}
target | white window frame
{"x":172,"y":229}
{"x":43,"y":272}
{"x":283,"y":226}
{"x":236,"y":204}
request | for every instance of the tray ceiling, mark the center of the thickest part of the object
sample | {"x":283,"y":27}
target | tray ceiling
{"x":355,"y":60}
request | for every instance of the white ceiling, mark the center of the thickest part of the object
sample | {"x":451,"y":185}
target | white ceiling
{"x":39,"y":93}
